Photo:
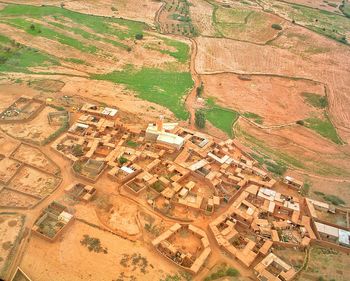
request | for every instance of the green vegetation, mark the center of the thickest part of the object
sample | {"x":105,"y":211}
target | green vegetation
{"x":100,"y":25}
{"x":255,"y":117}
{"x":222,"y":271}
{"x":15,"y":57}
{"x":345,"y":8}
{"x":166,"y":88}
{"x":157,"y":186}
{"x":321,"y":21}
{"x":305,"y":190}
{"x":122,"y":160}
{"x":74,"y":60}
{"x":93,"y":244}
{"x":200,"y":119}
{"x":42,"y":31}
{"x":324,"y":127}
{"x":132,"y":144}
{"x":276,"y":26}
{"x":182,"y":53}
{"x":278,"y":168}
{"x":315,"y":100}
{"x":221,"y":117}
{"x":77,"y":150}
{"x":330,"y":198}
{"x":199,"y":90}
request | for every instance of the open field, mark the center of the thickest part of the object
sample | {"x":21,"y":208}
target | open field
{"x":34,"y":182}
{"x":10,"y":229}
{"x":329,"y":24}
{"x":331,"y":6}
{"x":34,"y":157}
{"x":57,"y":261}
{"x":8,"y":169}
{"x":276,"y":100}
{"x":328,"y":264}
{"x":246,"y":24}
{"x":297,"y":147}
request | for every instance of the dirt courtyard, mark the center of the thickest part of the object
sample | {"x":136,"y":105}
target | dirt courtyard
{"x":57,"y":261}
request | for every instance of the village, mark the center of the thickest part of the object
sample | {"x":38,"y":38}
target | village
{"x":215,"y":195}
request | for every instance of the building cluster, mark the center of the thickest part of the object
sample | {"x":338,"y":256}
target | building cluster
{"x":178,"y":168}
{"x":192,"y":262}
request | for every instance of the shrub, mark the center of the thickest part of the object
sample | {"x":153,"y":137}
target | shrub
{"x":139,"y":36}
{"x":200,"y":119}
{"x":122,"y":160}
{"x":276,"y":26}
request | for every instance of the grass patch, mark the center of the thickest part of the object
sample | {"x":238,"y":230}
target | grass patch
{"x":182,"y":53}
{"x":330,"y":198}
{"x":132,"y":144}
{"x":223,"y":271}
{"x":345,"y":8}
{"x":15,"y":57}
{"x":42,"y":31}
{"x":99,"y":24}
{"x":221,"y":117}
{"x":315,"y":100}
{"x":323,"y":127}
{"x":255,"y":117}
{"x":321,"y":21}
{"x":75,"y":60}
{"x":165,"y":88}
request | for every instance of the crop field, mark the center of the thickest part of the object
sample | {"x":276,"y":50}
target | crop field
{"x":48,"y":39}
{"x":246,"y":24}
{"x":332,"y":25}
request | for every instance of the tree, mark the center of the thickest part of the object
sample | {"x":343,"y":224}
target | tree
{"x":200,"y":119}
{"x":199,"y":90}
{"x":32,"y":26}
{"x":276,"y":26}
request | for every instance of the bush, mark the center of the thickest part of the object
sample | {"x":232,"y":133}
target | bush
{"x":122,"y":160}
{"x":200,"y":119}
{"x":300,"y":122}
{"x":276,"y":26}
{"x":139,"y":36}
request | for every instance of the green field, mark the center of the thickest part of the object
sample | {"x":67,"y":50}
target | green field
{"x":221,"y":117}
{"x":326,"y":23}
{"x":162,"y":87}
{"x":255,"y":117}
{"x":100,"y":25}
{"x":324,"y":127}
{"x":15,"y":57}
{"x":315,"y":100}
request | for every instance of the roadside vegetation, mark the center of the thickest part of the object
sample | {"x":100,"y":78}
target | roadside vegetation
{"x":330,"y":198}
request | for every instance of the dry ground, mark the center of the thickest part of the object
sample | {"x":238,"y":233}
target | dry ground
{"x":319,"y":4}
{"x":57,"y":261}
{"x":34,"y":157}
{"x":298,"y":147}
{"x":10,"y":228}
{"x":277,"y":100}
{"x":36,"y":130}
{"x":326,"y":263}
